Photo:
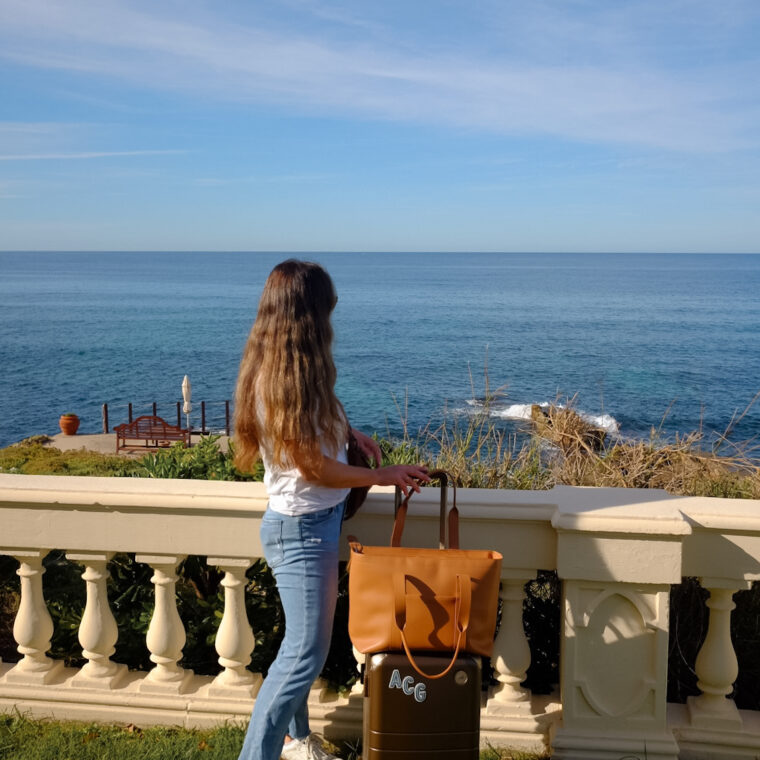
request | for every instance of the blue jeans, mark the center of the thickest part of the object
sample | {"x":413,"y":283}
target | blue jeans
{"x":303,"y":555}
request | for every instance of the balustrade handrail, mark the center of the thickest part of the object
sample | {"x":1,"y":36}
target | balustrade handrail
{"x":52,"y":491}
{"x":616,"y":552}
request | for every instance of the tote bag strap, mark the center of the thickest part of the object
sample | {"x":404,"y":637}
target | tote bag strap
{"x":453,"y":520}
{"x":462,"y":611}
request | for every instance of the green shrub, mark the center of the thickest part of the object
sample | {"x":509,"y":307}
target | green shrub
{"x":204,"y":461}
{"x":31,"y":457}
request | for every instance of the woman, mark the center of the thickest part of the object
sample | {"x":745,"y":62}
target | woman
{"x":287,"y":413}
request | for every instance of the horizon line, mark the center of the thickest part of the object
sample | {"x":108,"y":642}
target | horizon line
{"x":312,"y":251}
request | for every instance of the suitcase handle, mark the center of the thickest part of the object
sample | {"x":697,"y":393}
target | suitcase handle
{"x":462,"y":610}
{"x":398,"y":523}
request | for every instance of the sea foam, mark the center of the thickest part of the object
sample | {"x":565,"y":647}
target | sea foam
{"x":604,"y":422}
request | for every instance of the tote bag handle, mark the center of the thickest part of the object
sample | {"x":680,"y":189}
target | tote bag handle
{"x":453,"y":542}
{"x":462,"y":610}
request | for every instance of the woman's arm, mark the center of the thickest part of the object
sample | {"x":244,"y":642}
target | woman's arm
{"x":368,"y":446}
{"x":331,"y":473}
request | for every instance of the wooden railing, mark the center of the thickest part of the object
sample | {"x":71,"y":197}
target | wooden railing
{"x":616,"y":551}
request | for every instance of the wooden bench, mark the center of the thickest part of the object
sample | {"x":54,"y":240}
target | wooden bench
{"x":152,"y":431}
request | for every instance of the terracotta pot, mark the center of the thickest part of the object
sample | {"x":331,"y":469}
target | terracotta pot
{"x":69,"y":424}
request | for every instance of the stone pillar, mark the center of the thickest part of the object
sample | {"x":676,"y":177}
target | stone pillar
{"x":511,"y":653}
{"x":234,"y":639}
{"x":716,"y":666}
{"x":97,"y":631}
{"x":512,"y":715}
{"x":166,"y":634}
{"x":33,"y":627}
{"x":614,"y":672}
{"x":616,"y":563}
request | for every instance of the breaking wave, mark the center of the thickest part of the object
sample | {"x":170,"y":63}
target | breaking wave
{"x":522,"y":412}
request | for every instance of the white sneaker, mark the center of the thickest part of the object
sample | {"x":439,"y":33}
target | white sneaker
{"x":309,"y":748}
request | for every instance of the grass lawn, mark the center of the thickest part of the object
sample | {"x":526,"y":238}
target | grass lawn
{"x":24,"y":739}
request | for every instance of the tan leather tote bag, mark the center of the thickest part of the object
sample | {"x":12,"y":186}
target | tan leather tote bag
{"x":439,"y":600}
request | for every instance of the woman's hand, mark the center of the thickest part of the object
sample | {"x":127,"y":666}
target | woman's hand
{"x":405,"y":476}
{"x":368,"y":446}
{"x":331,"y":473}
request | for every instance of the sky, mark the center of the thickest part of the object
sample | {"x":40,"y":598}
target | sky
{"x":382,"y":125}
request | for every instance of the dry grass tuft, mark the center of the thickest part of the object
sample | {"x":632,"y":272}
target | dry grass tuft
{"x":564,"y":448}
{"x":473,"y":449}
{"x":579,"y":455}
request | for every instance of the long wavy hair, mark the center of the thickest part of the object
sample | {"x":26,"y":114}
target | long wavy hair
{"x":285,"y":391}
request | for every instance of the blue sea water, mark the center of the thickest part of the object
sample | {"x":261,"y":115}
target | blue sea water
{"x":664,"y":340}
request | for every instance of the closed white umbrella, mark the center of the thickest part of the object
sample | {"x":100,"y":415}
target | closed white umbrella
{"x":187,"y":394}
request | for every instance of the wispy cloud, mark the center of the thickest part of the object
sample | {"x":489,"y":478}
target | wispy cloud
{"x":87,"y":155}
{"x":303,"y":178}
{"x":610,"y":94}
{"x":36,"y":129}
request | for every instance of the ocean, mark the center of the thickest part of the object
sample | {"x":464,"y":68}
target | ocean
{"x":635,"y":340}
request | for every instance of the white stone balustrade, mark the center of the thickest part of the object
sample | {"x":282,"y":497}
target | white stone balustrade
{"x":616,"y":552}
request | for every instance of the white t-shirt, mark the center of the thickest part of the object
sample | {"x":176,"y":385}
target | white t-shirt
{"x":291,"y":494}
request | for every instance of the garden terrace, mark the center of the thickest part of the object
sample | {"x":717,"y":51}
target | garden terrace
{"x":616,"y":553}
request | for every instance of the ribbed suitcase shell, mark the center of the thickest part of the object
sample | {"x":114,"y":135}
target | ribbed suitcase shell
{"x":409,"y":717}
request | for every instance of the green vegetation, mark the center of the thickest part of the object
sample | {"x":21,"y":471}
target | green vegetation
{"x":204,"y":461}
{"x":476,"y":452}
{"x":25,"y":739}
{"x":559,"y":449}
{"x":33,"y":457}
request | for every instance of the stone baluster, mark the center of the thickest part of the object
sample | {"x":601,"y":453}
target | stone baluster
{"x":511,"y":654}
{"x":234,"y":639}
{"x":511,"y":659}
{"x":166,"y":634}
{"x":33,"y":626}
{"x":97,"y":631}
{"x":716,"y":665}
